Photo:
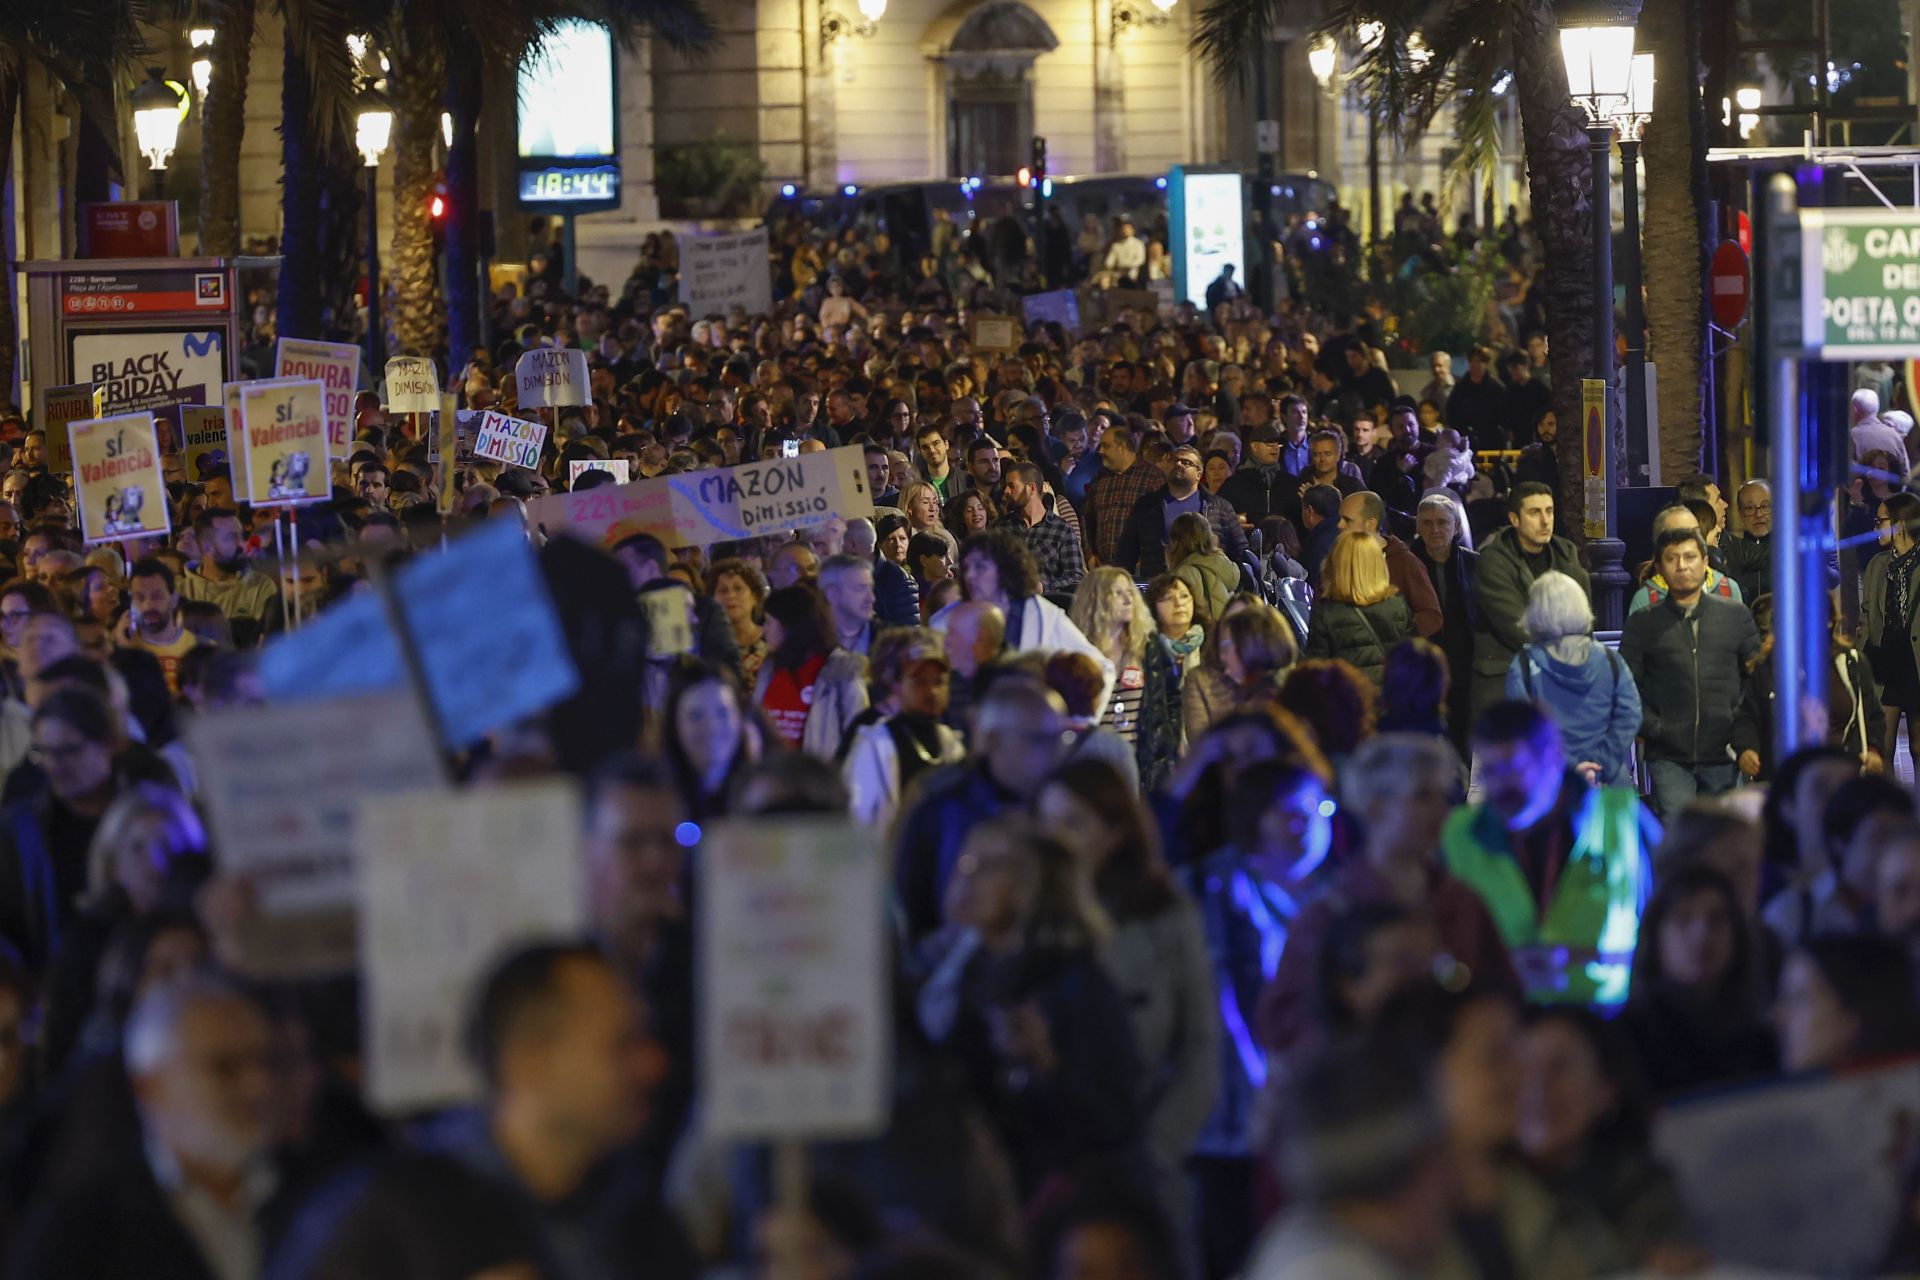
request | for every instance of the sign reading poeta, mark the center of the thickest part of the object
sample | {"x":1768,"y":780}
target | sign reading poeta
{"x":551,"y":378}
{"x":1860,"y":283}
{"x":117,"y":478}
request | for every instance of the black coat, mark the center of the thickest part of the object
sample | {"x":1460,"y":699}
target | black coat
{"x":1359,"y":634}
{"x":1479,"y":412}
{"x":1143,"y":543}
{"x":1504,"y":578}
{"x":1690,"y":676}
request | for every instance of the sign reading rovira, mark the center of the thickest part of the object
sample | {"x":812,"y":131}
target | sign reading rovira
{"x":513,"y":441}
{"x":1860,"y":274}
{"x":413,"y":385}
{"x":284,"y":441}
{"x":336,"y":365}
{"x":117,"y":478}
{"x":551,"y":378}
{"x":60,"y":408}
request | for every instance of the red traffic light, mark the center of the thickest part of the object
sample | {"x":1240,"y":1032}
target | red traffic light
{"x":1024,"y":176}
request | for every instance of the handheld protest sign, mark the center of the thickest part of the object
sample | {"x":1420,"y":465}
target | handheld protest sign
{"x":336,"y":367}
{"x":617,"y":467}
{"x":413,"y":385}
{"x":514,"y":441}
{"x":117,"y":478}
{"x":285,"y":427}
{"x":551,"y":378}
{"x":203,"y":439}
{"x":60,"y":408}
{"x":994,"y":335}
{"x":446,"y":449}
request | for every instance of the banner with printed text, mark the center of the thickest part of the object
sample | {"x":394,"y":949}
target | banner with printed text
{"x":336,"y":367}
{"x":203,"y":441}
{"x":144,"y":369}
{"x":284,"y":433}
{"x":616,"y":467}
{"x":552,"y":378}
{"x":696,"y":508}
{"x":413,"y":385}
{"x":60,"y":408}
{"x":117,"y":479}
{"x":718,"y":273}
{"x":514,"y":441}
{"x":236,"y":438}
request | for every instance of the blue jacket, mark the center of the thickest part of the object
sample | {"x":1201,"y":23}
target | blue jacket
{"x":1596,"y":705}
{"x":929,"y":835}
{"x":896,"y":600}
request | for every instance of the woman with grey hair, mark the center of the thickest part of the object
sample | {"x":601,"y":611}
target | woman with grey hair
{"x":1580,"y":683}
{"x":1444,"y":546}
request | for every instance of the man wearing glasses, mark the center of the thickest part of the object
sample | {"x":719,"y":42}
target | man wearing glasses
{"x":1143,"y":542}
{"x":1750,"y":552}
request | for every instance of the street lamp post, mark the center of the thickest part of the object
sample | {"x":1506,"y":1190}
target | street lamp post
{"x":373,"y":127}
{"x":1599,"y":62}
{"x":156,"y":121}
{"x":1641,"y":439}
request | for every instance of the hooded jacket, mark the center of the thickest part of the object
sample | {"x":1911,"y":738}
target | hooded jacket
{"x":1593,"y":700}
{"x":1212,"y":578}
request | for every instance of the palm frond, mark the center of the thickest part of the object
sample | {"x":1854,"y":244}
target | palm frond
{"x":1226,"y":33}
{"x":316,"y":31}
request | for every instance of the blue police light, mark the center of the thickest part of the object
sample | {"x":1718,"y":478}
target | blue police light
{"x":687,"y":835}
{"x":1160,"y":183}
{"x":1274,"y":190}
{"x":850,"y":190}
{"x":1313,"y":242}
{"x":788,"y":190}
{"x":1046,"y":187}
{"x":1327,"y":808}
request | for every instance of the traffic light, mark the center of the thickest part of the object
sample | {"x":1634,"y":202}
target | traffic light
{"x":1038,"y":165}
{"x":437,"y":204}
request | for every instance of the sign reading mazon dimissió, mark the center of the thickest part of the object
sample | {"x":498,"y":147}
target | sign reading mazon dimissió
{"x":1860,"y":295}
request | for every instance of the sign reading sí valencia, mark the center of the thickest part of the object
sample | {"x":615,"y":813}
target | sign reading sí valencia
{"x":117,"y":478}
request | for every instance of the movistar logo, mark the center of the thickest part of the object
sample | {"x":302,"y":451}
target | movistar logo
{"x":1839,"y":250}
{"x":200,"y":344}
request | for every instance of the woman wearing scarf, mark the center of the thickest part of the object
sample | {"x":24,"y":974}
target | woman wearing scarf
{"x":1887,"y":600}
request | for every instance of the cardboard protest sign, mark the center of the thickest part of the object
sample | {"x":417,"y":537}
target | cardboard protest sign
{"x":514,"y":441}
{"x":336,"y":366}
{"x":669,"y":612}
{"x":203,"y":441}
{"x":1800,"y":1176}
{"x":718,"y":273}
{"x":552,"y":377}
{"x":717,"y":505}
{"x":450,"y":882}
{"x":445,"y":450}
{"x":991,"y":335}
{"x":117,"y":479}
{"x":413,"y":385}
{"x":795,"y":1037}
{"x":1061,"y":307}
{"x":282,"y":785}
{"x":617,"y":467}
{"x":60,"y":407}
{"x":284,"y":443}
{"x":481,"y":619}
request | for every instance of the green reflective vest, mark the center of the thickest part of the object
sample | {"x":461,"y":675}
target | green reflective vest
{"x":1581,"y":950}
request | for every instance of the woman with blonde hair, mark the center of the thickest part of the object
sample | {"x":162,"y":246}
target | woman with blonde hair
{"x":1145,"y":707}
{"x":1240,"y":664}
{"x":1358,"y":615}
{"x":920,"y":502}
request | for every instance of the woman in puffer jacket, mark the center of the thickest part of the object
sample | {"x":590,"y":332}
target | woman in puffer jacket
{"x":1581,"y":684}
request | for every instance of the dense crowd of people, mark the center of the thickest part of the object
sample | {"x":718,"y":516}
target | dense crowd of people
{"x":1164,"y":662}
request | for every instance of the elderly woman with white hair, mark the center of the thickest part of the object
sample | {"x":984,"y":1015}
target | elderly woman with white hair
{"x":1444,"y":545}
{"x":1580,"y":683}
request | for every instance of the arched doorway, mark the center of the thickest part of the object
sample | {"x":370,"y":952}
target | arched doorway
{"x":985,"y":55}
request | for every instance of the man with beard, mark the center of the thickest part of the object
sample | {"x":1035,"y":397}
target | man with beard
{"x":153,"y":619}
{"x":223,"y":577}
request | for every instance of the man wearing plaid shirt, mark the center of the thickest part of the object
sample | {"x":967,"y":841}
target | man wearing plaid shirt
{"x":1111,"y":498}
{"x":1052,"y":540}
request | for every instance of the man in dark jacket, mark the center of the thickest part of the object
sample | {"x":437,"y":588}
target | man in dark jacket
{"x":1509,"y":563}
{"x":1687,"y":655}
{"x":1143,"y":543}
{"x":1526,"y":399}
{"x":1477,"y":409}
{"x":1017,"y":741}
{"x":1750,"y":554}
{"x":1257,"y":489}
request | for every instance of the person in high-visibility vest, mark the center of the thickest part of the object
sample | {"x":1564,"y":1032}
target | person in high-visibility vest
{"x":1564,"y":867}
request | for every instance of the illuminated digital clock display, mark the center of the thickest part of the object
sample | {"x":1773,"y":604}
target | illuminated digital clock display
{"x":598,"y":184}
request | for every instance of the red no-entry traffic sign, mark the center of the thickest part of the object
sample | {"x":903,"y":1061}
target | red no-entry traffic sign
{"x":1730,"y":285}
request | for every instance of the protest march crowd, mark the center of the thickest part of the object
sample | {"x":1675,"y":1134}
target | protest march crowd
{"x":1157,"y":657}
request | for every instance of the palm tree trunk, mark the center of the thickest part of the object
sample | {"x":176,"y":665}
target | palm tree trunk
{"x":463,"y":207}
{"x":223,"y":122}
{"x":1560,"y":185}
{"x":417,"y":75}
{"x":1675,"y":238}
{"x":9,"y":325}
{"x":299,"y":312}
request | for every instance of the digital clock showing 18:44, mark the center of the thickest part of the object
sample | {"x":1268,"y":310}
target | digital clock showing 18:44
{"x":570,"y":186}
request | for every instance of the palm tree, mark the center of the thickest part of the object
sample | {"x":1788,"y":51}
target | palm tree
{"x":86,"y":46}
{"x":1470,"y":46}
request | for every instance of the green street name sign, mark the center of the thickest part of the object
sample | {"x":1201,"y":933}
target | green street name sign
{"x":1860,"y":273}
